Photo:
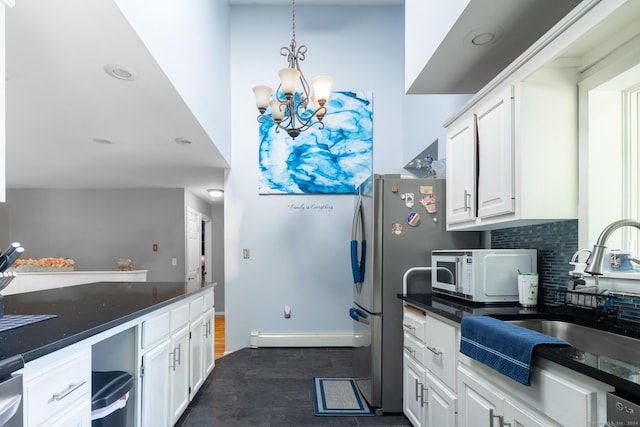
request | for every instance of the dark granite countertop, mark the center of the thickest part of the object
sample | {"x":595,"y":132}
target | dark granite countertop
{"x":624,"y":376}
{"x":81,"y":311}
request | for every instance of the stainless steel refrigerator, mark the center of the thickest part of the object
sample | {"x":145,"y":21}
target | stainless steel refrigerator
{"x":397,"y":223}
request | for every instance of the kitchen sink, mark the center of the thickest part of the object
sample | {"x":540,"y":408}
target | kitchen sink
{"x":595,"y":341}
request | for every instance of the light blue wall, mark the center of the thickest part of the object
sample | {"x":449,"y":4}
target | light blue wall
{"x":300,"y":257}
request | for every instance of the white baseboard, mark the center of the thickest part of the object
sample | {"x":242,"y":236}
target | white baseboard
{"x":265,"y":339}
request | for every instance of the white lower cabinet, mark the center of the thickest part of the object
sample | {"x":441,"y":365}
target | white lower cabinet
{"x":57,"y":387}
{"x":557,"y":396}
{"x":413,"y":389}
{"x":430,"y":357}
{"x":209,"y":341}
{"x":442,"y":403}
{"x":155,"y":385}
{"x":196,"y":354}
{"x":179,"y":373}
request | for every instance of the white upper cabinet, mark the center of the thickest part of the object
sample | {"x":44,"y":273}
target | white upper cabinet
{"x":518,"y":137}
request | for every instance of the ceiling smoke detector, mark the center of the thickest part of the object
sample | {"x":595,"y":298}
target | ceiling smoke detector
{"x":120,"y":72}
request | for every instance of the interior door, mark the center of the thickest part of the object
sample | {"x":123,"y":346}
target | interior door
{"x":193,"y":249}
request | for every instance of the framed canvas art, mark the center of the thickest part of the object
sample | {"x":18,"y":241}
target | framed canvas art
{"x":333,"y":160}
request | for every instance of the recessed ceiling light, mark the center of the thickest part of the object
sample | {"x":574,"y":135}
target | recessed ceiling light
{"x":482,"y":39}
{"x":120,"y":72}
{"x":215,"y":192}
{"x":484,"y":36}
{"x":182,"y":141}
{"x":102,"y":141}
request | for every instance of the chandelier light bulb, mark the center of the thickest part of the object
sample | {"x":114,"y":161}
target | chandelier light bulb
{"x":289,"y":81}
{"x":277,"y":110}
{"x":263,"y":94}
{"x":322,"y":89}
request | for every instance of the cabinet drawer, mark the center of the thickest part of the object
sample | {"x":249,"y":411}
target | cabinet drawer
{"x":197,"y":308}
{"x":208,"y":300}
{"x":179,"y":317}
{"x":65,"y":386}
{"x":441,"y":354}
{"x":155,"y":329}
{"x":413,"y":323}
{"x":414,"y":348}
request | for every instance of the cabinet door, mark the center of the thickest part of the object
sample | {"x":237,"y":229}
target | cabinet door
{"x":461,"y":171}
{"x":412,"y":391}
{"x":519,"y":415}
{"x":79,"y":417}
{"x":196,"y":352}
{"x":179,"y":373}
{"x":209,"y":342}
{"x":479,"y":405}
{"x":442,"y":404}
{"x":495,"y":127}
{"x":155,"y":386}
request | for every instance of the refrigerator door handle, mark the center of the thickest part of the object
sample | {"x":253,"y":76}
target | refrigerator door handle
{"x":358,"y":315}
{"x":358,"y":262}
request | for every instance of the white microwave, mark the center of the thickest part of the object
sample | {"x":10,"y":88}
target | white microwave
{"x":481,"y":275}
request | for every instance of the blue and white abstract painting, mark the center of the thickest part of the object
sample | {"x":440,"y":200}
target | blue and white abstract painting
{"x":333,"y":160}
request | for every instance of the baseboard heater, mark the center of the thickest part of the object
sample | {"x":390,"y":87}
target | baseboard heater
{"x":268,"y":339}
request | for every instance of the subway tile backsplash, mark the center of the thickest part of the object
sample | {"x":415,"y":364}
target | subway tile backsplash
{"x":556,"y":242}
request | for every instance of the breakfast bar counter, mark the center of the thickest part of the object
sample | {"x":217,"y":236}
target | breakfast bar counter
{"x":80,"y":312}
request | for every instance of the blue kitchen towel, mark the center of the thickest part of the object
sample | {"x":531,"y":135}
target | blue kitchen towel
{"x":504,"y":347}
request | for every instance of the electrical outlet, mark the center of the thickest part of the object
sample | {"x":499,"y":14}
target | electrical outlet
{"x":174,"y":261}
{"x":245,"y":253}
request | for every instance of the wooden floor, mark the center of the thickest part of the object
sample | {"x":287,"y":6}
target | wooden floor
{"x":219,"y":336}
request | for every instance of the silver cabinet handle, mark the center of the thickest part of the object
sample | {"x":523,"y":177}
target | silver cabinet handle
{"x":499,"y":417}
{"x":409,"y":327}
{"x":176,"y":355}
{"x":467,"y":200}
{"x":179,"y":351}
{"x":72,"y":387}
{"x":410,"y":350}
{"x":435,"y":351}
{"x":422,"y":401}
{"x":419,"y":395}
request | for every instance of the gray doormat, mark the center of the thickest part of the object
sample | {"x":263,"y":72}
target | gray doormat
{"x":12,"y":321}
{"x":338,"y":397}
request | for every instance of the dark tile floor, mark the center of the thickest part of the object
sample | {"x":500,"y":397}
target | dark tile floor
{"x":271,"y":387}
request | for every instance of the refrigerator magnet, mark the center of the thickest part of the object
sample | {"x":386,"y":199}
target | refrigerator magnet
{"x":429,"y":203}
{"x":408,"y":200}
{"x":396,"y":228}
{"x":413,"y":219}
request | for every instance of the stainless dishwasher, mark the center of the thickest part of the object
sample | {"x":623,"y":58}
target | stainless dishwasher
{"x":11,"y":401}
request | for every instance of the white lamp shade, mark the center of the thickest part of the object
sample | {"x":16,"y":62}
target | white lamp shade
{"x":289,"y":80}
{"x":277,"y":109}
{"x":322,"y":88}
{"x":263,"y":94}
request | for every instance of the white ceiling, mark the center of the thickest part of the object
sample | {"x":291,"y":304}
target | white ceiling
{"x":59,"y":99}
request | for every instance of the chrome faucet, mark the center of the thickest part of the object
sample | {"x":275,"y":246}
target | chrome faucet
{"x":594,"y":263}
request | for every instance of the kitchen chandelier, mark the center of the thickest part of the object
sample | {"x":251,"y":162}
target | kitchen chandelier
{"x":293,"y":111}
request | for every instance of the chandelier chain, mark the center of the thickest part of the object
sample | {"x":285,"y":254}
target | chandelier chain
{"x":293,"y":19}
